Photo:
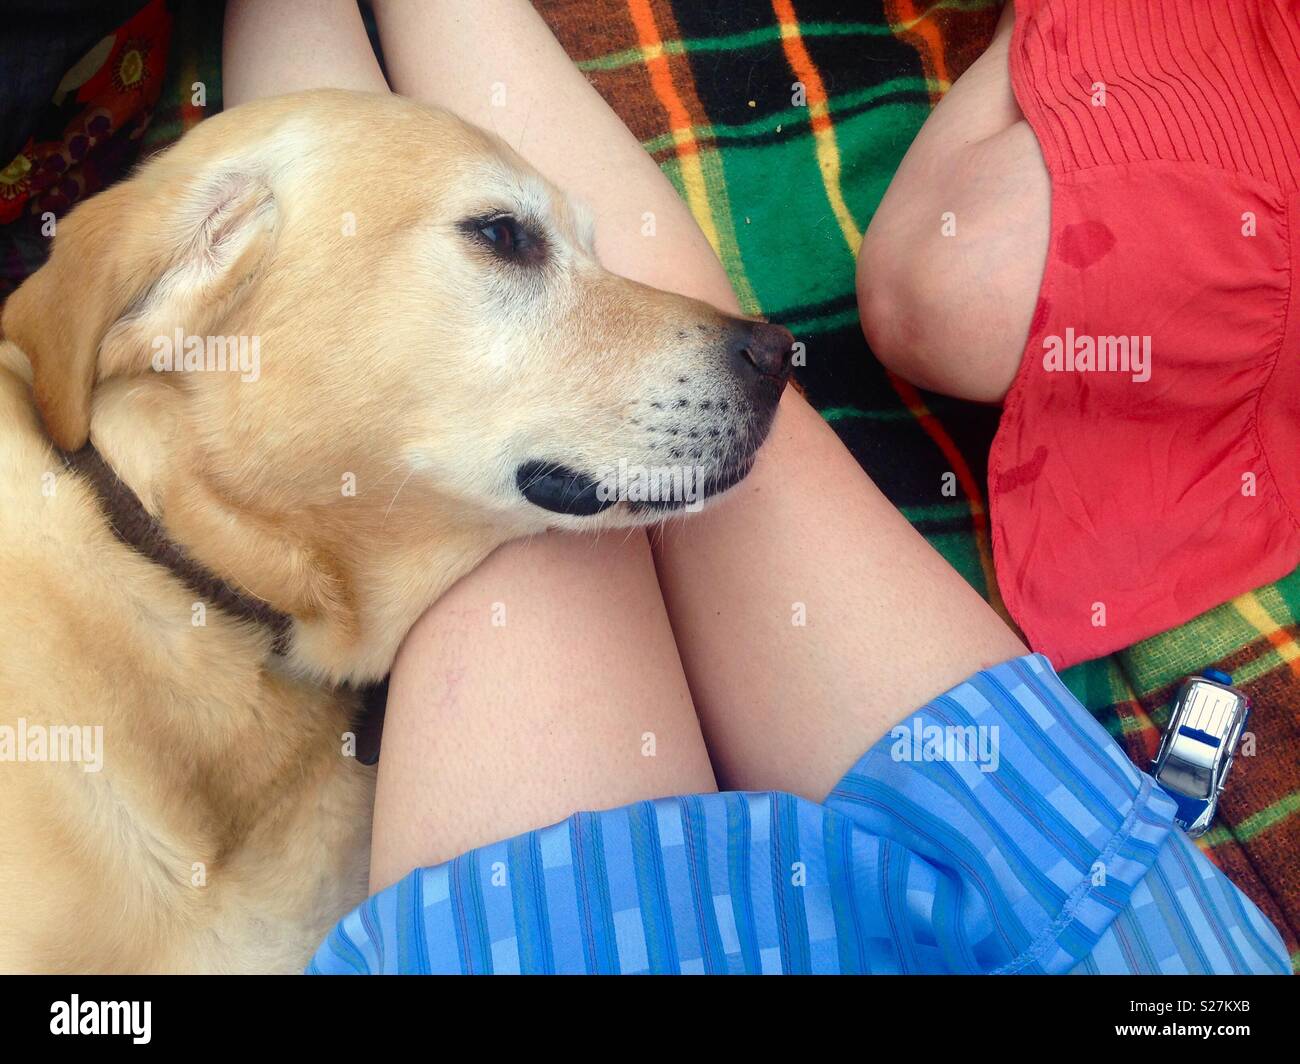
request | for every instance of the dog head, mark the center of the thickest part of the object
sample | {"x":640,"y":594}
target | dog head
{"x":343,"y":345}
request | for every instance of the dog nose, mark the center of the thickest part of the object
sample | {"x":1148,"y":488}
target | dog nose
{"x":759,"y":349}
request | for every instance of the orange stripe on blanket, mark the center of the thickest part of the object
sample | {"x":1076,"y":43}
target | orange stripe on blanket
{"x":796,"y":53}
{"x":1252,"y":609}
{"x":819,"y":117}
{"x":661,"y":76}
{"x":922,"y":33}
{"x":679,"y":119}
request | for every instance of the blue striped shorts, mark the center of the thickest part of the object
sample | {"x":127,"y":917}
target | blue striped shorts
{"x":998,"y":829}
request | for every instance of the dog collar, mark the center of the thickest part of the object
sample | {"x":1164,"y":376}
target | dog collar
{"x":139,"y":530}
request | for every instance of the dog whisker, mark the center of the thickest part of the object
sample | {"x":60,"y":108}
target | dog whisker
{"x":394,"y":498}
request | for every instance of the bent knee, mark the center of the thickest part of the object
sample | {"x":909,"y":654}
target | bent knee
{"x":921,"y":314}
{"x":950,"y":268}
{"x":887,"y":300}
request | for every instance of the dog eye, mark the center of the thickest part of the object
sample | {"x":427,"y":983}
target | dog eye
{"x":507,"y":237}
{"x":504,"y":234}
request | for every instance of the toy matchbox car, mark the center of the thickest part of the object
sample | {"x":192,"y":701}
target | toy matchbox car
{"x":1205,"y":725}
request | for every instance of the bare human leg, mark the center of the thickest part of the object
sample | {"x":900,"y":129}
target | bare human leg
{"x":889,"y":623}
{"x":951,"y":264}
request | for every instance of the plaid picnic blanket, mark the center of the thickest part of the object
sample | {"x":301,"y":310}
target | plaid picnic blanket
{"x":781,"y":122}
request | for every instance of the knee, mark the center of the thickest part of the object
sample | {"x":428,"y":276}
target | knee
{"x":926,"y":316}
{"x":900,"y":308}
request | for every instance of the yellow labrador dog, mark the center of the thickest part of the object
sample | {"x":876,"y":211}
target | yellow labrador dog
{"x":332,"y":348}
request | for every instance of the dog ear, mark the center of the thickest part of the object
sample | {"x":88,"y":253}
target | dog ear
{"x":162,"y":250}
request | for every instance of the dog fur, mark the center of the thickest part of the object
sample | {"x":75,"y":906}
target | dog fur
{"x":228,"y":827}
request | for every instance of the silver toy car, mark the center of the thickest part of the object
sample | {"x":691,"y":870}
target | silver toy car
{"x":1206,"y":723}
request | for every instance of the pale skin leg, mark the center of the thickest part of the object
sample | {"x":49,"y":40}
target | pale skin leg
{"x":290,"y":45}
{"x":950,"y":267}
{"x":889,"y":623}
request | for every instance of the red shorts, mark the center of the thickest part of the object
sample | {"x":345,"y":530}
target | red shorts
{"x":1147,"y":466}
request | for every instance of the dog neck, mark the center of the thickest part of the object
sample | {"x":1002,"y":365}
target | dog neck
{"x":142,"y":532}
{"x":337,"y":592}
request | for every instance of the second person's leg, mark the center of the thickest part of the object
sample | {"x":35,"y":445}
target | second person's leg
{"x":951,"y":264}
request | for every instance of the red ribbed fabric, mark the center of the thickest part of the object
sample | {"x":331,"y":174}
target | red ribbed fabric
{"x":1147,"y":465}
